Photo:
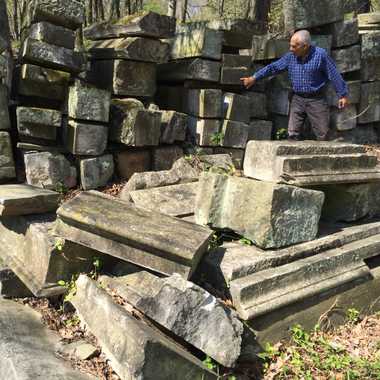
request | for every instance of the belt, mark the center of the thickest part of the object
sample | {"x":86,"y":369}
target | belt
{"x":318,"y":94}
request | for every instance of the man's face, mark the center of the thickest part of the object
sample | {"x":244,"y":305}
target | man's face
{"x":298,"y":48}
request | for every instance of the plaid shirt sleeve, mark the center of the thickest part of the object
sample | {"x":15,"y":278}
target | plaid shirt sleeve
{"x":273,"y":68}
{"x":335,"y":77}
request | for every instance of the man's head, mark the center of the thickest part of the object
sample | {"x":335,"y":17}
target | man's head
{"x":300,"y":43}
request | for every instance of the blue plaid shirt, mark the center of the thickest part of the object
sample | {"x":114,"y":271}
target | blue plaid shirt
{"x":310,"y":75}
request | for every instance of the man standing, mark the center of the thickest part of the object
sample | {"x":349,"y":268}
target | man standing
{"x":309,"y":69}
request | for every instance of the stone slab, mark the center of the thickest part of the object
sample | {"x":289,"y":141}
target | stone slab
{"x":347,"y":59}
{"x":270,"y":215}
{"x":236,"y":155}
{"x":24,"y":199}
{"x":96,"y":172}
{"x":234,"y":134}
{"x":202,"y":320}
{"x":4,"y":112}
{"x":260,"y":130}
{"x":369,"y":106}
{"x":343,"y":120}
{"x":163,"y":157}
{"x":11,"y":286}
{"x":173,"y":126}
{"x":132,"y":161}
{"x":257,"y":105}
{"x":148,"y":239}
{"x":132,"y":345}
{"x":206,"y":132}
{"x":52,"y":34}
{"x":370,"y":70}
{"x":236,"y":107}
{"x":354,"y":92}
{"x":7,"y":164}
{"x":370,"y":44}
{"x":205,"y":103}
{"x":344,"y":33}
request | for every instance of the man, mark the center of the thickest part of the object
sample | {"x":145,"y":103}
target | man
{"x":309,"y":69}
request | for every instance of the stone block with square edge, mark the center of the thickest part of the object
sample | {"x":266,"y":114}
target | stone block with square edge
{"x":236,"y":155}
{"x":257,"y":105}
{"x":370,"y":44}
{"x":364,"y":134}
{"x":354,"y":90}
{"x":369,"y":106}
{"x":7,"y":164}
{"x":132,"y":161}
{"x":205,"y":103}
{"x":11,"y":286}
{"x":260,"y":130}
{"x":173,"y":126}
{"x":96,"y":172}
{"x":343,"y":119}
{"x":206,"y":131}
{"x":236,"y":107}
{"x":344,"y":33}
{"x":370,"y":70}
{"x":234,"y":134}
{"x":347,"y":59}
{"x":4,"y":112}
{"x":278,"y":101}
{"x":163,"y":157}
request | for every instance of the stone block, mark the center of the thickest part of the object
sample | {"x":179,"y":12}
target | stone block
{"x":52,"y":34}
{"x":132,"y":161}
{"x":354,"y":90}
{"x":38,"y":256}
{"x":7,"y":164}
{"x":260,"y":130}
{"x":163,"y":157}
{"x":236,"y":107}
{"x":30,"y":147}
{"x":344,"y":33}
{"x":230,"y":76}
{"x":369,"y":107}
{"x":189,"y":69}
{"x":172,"y":97}
{"x":303,"y":14}
{"x":362,"y":134}
{"x":86,"y":139}
{"x":147,"y":239}
{"x":175,"y":200}
{"x":278,"y":101}
{"x":257,"y":105}
{"x":270,"y":215}
{"x":309,"y":163}
{"x":38,"y":122}
{"x":234,"y":134}
{"x":195,"y":42}
{"x":206,"y":103}
{"x":370,"y":45}
{"x":200,"y":310}
{"x":133,"y":345}
{"x":347,"y":59}
{"x":4,"y":112}
{"x":11,"y":286}
{"x":370,"y":70}
{"x":132,"y":48}
{"x":173,"y":126}
{"x":51,"y":56}
{"x":22,"y":199}
{"x":206,"y":131}
{"x":343,"y":119}
{"x":87,"y":102}
{"x":148,"y":24}
{"x":43,"y":82}
{"x":96,"y":172}
{"x":49,"y":171}
{"x":132,"y":124}
{"x":125,"y":78}
{"x":236,"y":155}
{"x":67,"y":13}
{"x":5,"y":40}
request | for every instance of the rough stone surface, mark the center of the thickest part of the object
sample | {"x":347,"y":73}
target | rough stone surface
{"x":173,"y":126}
{"x":80,"y":350}
{"x":24,"y":199}
{"x":370,"y":70}
{"x":136,"y":350}
{"x":132,"y":161}
{"x":28,"y":347}
{"x":347,"y":59}
{"x":49,"y":170}
{"x":279,"y":101}
{"x":163,"y":157}
{"x":344,"y":33}
{"x":234,"y":134}
{"x":369,"y":107}
{"x":370,"y":45}
{"x":260,"y":130}
{"x":11,"y":286}
{"x":96,"y":172}
{"x":52,"y":34}
{"x":271,"y":215}
{"x":199,"y":318}
{"x":257,"y":105}
{"x":7,"y":165}
{"x":235,"y":154}
{"x":205,"y":131}
{"x":206,"y":103}
{"x":343,"y":120}
{"x":354,"y":90}
{"x":132,"y":124}
{"x":4,"y":112}
{"x":236,"y":107}
{"x":87,"y":102}
{"x":148,"y":239}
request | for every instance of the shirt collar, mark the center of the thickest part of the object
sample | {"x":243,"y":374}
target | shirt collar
{"x":309,"y":54}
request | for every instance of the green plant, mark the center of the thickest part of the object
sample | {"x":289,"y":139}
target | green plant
{"x":245,"y":241}
{"x":97,"y":264}
{"x":59,"y":244}
{"x":71,"y":287}
{"x":281,"y":134}
{"x":353,"y":315}
{"x":61,"y":188}
{"x":73,"y":321}
{"x":217,"y":138}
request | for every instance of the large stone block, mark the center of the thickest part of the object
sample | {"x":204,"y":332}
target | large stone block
{"x":148,"y":24}
{"x":132,"y":161}
{"x":49,"y":170}
{"x":51,"y":56}
{"x":24,"y":199}
{"x":172,"y":97}
{"x":278,"y":101}
{"x":205,"y":131}
{"x":96,"y":172}
{"x":87,"y":102}
{"x":206,"y":103}
{"x":369,"y":107}
{"x":364,"y":134}
{"x":125,"y":78}
{"x":347,"y":59}
{"x":370,"y":45}
{"x":38,"y":122}
{"x":270,"y":215}
{"x":136,"y":349}
{"x":260,"y":130}
{"x":257,"y":105}
{"x":4,"y":112}
{"x":309,"y":163}
{"x":132,"y":124}
{"x":303,"y":14}
{"x":86,"y":139}
{"x":344,"y":33}
{"x":132,"y":48}
{"x":163,"y":157}
{"x":236,"y":107}
{"x":205,"y":323}
{"x":7,"y":164}
{"x":236,"y":155}
{"x":343,"y":119}
{"x":370,"y":70}
{"x":354,"y":90}
{"x":5,"y":40}
{"x":234,"y":134}
{"x":11,"y":286}
{"x":173,"y":126}
{"x":195,"y":42}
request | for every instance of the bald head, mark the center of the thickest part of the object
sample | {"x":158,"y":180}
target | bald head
{"x":300,"y":43}
{"x":303,"y":37}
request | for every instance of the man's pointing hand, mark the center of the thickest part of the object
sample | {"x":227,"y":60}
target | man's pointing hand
{"x":248,"y":82}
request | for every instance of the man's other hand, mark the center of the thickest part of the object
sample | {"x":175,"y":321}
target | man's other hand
{"x":248,"y":82}
{"x":343,"y":102}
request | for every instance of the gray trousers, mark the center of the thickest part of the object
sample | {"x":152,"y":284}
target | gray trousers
{"x":315,"y":109}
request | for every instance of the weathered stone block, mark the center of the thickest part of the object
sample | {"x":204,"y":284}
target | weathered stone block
{"x":49,"y":171}
{"x":193,"y":42}
{"x":303,"y":14}
{"x":347,"y":59}
{"x":4,"y":112}
{"x":149,"y":24}
{"x":96,"y":172}
{"x":87,"y":102}
{"x":132,"y":161}
{"x":343,"y":119}
{"x":370,"y":45}
{"x":205,"y":103}
{"x":11,"y":286}
{"x":5,"y":40}
{"x":132,"y":124}
{"x":125,"y":78}
{"x":231,"y":75}
{"x":370,"y":70}
{"x":236,"y":107}
{"x":363,"y":134}
{"x":7,"y":165}
{"x":260,"y":130}
{"x":52,"y":34}
{"x":206,"y":131}
{"x":133,"y":48}
{"x":132,"y":345}
{"x":234,"y":134}
{"x":173,"y":126}
{"x":189,"y":69}
{"x":354,"y":89}
{"x":270,"y":215}
{"x":369,"y":107}
{"x":279,"y":101}
{"x":257,"y":105}
{"x":200,"y":310}
{"x":86,"y":139}
{"x":344,"y":33}
{"x":23,"y":199}
{"x":163,"y":157}
{"x":55,"y":57}
{"x":172,"y":97}
{"x":236,"y":155}
{"x":151,"y":240}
